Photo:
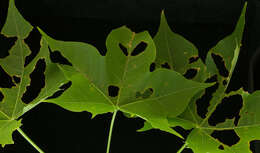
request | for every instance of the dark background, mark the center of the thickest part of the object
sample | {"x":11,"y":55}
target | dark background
{"x":202,"y":22}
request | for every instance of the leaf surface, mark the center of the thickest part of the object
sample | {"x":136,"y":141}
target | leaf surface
{"x":177,"y":52}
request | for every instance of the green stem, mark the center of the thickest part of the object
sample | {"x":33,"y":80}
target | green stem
{"x":29,"y":140}
{"x":111,"y":130}
{"x":182,"y":148}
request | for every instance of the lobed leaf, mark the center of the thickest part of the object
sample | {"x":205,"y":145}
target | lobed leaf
{"x":121,"y":79}
{"x":220,"y":63}
{"x":13,"y":104}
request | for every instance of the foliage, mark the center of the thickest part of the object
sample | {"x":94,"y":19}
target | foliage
{"x":182,"y":56}
{"x":153,"y":96}
{"x":122,"y":80}
{"x":18,"y":75}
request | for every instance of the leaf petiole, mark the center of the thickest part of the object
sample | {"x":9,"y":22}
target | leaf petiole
{"x":111,"y":130}
{"x":29,"y":140}
{"x":182,"y":148}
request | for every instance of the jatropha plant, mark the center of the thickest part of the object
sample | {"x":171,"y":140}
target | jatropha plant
{"x":168,"y":95}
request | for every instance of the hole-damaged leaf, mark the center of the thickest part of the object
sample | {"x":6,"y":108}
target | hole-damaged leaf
{"x":1,"y":96}
{"x":37,"y":82}
{"x":149,"y":95}
{"x":124,"y":49}
{"x":221,"y":147}
{"x":166,"y":65}
{"x":33,"y":41}
{"x":214,"y":78}
{"x":221,"y":60}
{"x":6,"y":45}
{"x":228,"y":137}
{"x":56,"y":57}
{"x":203,"y":102}
{"x":193,"y":59}
{"x":139,"y":49}
{"x":229,"y":108}
{"x":152,"y":67}
{"x":254,"y":145}
{"x":113,"y":91}
{"x":62,"y":88}
{"x":190,"y":73}
{"x":224,"y":82}
{"x":6,"y":80}
{"x":17,"y":79}
{"x":220,"y":63}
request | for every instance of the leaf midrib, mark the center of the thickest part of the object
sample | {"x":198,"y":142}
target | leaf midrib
{"x":22,"y":75}
{"x":125,"y":70}
{"x":167,"y":43}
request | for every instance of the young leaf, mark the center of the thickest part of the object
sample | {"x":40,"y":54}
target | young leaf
{"x":13,"y":103}
{"x":121,"y":80}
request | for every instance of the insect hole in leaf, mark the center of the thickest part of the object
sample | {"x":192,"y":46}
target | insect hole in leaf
{"x":152,"y":67}
{"x":139,"y":49}
{"x":6,"y":80}
{"x":190,"y":73}
{"x":253,"y":145}
{"x":33,"y":41}
{"x":6,"y":45}
{"x":62,"y":88}
{"x":221,"y":147}
{"x":203,"y":102}
{"x":37,"y":82}
{"x":124,"y":49}
{"x":166,"y":65}
{"x":16,"y":79}
{"x":113,"y":91}
{"x":56,"y":57}
{"x":1,"y":96}
{"x":228,"y":137}
{"x":229,"y":108}
{"x":193,"y":59}
{"x":220,"y":63}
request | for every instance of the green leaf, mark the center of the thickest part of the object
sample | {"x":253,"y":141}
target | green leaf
{"x":228,"y":49}
{"x":176,"y":51}
{"x":179,"y":53}
{"x":201,"y":138}
{"x":153,"y":96}
{"x":7,"y":127}
{"x":12,"y":106}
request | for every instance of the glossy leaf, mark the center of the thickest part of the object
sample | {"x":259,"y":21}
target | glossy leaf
{"x":153,"y":96}
{"x":12,"y":106}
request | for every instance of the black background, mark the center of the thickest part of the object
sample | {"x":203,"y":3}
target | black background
{"x":203,"y":22}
